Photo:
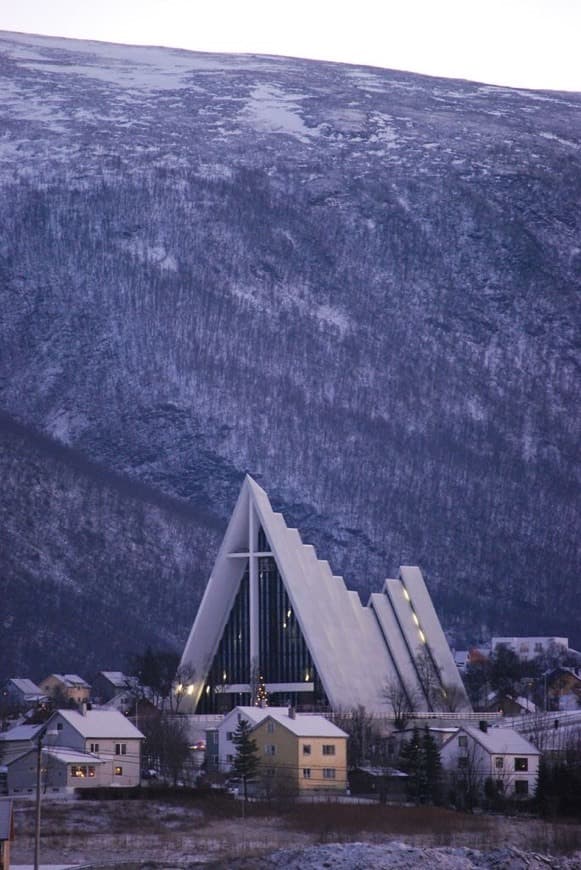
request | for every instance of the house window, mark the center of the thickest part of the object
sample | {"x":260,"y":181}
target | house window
{"x":499,"y":763}
{"x":306,"y":772}
{"x":463,"y":741}
{"x":120,"y":749}
{"x":81,"y":771}
{"x":270,"y":749}
{"x":229,"y":759}
{"x":463,"y":761}
{"x":521,"y":764}
{"x":59,"y":726}
{"x":270,"y":727}
{"x":118,"y":770}
{"x":328,"y":749}
{"x":500,"y":786}
{"x":328,"y":773}
{"x":94,"y":747}
{"x":306,"y":748}
{"x":521,"y":787}
{"x":229,"y":735}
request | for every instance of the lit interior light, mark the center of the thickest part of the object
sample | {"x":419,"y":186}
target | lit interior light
{"x":422,"y":636}
{"x":284,"y":625}
{"x":406,"y":594}
{"x":179,"y":688}
{"x":288,"y":614}
{"x":224,"y":675}
{"x":307,"y":677}
{"x":190,"y":689}
{"x":207,"y":690}
{"x":415,"y":619}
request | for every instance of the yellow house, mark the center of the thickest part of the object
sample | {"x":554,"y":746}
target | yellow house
{"x":66,"y":687}
{"x":303,"y":753}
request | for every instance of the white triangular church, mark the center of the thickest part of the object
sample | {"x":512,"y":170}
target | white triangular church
{"x":274,"y":613}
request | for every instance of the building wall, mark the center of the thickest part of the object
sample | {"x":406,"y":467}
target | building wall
{"x":53,"y":686}
{"x":115,"y":758}
{"x":527,"y":648}
{"x":483,"y":765}
{"x":290,"y":761}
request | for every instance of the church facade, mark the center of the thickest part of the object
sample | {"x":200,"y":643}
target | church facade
{"x":275,"y":619}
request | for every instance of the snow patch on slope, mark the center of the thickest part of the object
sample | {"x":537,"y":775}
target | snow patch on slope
{"x":275,"y":111}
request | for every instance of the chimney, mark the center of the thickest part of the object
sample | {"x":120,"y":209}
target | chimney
{"x":483,"y":725}
{"x":83,"y":708}
{"x":291,"y":712}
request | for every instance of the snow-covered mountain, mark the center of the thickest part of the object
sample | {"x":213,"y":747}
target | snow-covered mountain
{"x":355,"y":283}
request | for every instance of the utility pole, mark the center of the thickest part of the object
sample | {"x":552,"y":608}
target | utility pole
{"x":41,"y":735}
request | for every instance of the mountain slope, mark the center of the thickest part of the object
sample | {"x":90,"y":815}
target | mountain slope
{"x":93,"y":567}
{"x":357,"y":284}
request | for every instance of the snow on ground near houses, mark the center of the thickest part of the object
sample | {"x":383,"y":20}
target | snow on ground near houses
{"x":356,"y":856}
{"x":171,"y":834}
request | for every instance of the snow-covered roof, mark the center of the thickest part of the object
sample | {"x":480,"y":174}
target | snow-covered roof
{"x":501,"y":741}
{"x":118,"y":679}
{"x":99,"y":723}
{"x":26,"y":686}
{"x":71,"y":756}
{"x":20,"y":732}
{"x":357,"y":650}
{"x":253,"y":715}
{"x":307,"y":725}
{"x":74,"y":680}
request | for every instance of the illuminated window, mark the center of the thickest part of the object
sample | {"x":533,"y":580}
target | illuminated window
{"x":118,"y":771}
{"x":328,"y":749}
{"x":521,"y":764}
{"x":81,"y":771}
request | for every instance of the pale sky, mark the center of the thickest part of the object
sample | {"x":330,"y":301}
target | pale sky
{"x":522,"y":43}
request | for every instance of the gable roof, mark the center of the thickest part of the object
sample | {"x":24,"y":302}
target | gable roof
{"x":118,"y":679}
{"x":253,"y":715}
{"x":99,"y":723}
{"x":501,"y":741}
{"x":357,"y":650}
{"x":306,"y":725}
{"x":20,"y":732}
{"x":25,"y":686}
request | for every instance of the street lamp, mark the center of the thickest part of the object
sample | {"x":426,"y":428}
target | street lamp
{"x":44,"y":732}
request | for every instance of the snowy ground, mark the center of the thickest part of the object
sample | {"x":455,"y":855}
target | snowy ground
{"x":356,"y":856}
{"x":163,"y":834}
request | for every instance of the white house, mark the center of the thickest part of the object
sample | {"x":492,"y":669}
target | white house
{"x":527,"y":648}
{"x":106,"y":735}
{"x":501,"y":755}
{"x":220,"y":745}
{"x":80,"y":749}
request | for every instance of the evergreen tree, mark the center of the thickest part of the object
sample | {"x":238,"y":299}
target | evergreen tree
{"x":411,"y":762}
{"x":247,"y":759}
{"x":433,"y":768}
